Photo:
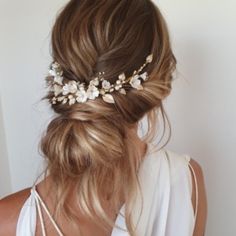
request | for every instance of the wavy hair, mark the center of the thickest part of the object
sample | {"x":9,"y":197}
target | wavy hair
{"x":87,"y":146}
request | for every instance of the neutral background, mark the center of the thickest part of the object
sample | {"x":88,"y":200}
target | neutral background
{"x":201,"y":107}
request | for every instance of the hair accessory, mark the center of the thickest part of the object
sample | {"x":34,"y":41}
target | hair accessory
{"x":74,"y":91}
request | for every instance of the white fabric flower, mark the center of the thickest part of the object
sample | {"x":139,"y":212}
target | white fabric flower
{"x":55,"y":69}
{"x":136,"y":82}
{"x":144,"y":76}
{"x":81,"y":96}
{"x":70,"y":87}
{"x":92,"y":92}
{"x":106,"y":84}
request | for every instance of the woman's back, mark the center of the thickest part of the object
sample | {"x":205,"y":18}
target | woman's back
{"x":166,"y":183}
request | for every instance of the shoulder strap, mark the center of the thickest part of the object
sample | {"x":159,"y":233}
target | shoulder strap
{"x":39,"y":211}
{"x":196,"y":187}
{"x":39,"y":202}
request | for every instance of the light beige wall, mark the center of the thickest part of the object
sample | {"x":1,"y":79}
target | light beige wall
{"x":5,"y":182}
{"x":24,"y":59}
{"x":202,"y":106}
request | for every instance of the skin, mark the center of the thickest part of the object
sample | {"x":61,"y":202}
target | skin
{"x":10,"y":207}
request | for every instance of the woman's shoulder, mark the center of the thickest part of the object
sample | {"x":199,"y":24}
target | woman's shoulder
{"x":200,"y":202}
{"x":10,"y":207}
{"x":186,"y":163}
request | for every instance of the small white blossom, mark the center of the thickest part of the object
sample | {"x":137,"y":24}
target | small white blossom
{"x":70,"y":87}
{"x":144,"y":76}
{"x":92,"y":92}
{"x":81,"y":96}
{"x":106,"y":84}
{"x":55,"y":69}
{"x":135,"y":82}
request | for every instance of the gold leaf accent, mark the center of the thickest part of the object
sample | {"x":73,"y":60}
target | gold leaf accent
{"x":139,"y":87}
{"x":149,"y":58}
{"x":108,"y":98}
{"x":122,"y":91}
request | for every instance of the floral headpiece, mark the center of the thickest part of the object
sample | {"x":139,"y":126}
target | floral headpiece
{"x":75,"y":91}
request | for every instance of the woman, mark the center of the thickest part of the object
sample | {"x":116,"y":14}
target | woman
{"x":112,"y":65}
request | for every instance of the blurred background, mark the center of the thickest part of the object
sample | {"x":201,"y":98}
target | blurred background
{"x":201,"y":108}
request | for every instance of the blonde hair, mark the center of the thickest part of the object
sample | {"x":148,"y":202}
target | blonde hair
{"x":87,"y":146}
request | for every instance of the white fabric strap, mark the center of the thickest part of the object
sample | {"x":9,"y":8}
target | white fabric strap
{"x":40,"y":212}
{"x":39,"y":200}
{"x":196,"y":187}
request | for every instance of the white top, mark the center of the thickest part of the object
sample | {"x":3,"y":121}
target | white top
{"x":166,"y":184}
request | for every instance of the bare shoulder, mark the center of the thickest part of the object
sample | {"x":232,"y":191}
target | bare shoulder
{"x":10,"y":207}
{"x":197,"y":169}
{"x":199,"y":187}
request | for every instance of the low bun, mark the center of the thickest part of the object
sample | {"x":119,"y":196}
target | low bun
{"x":74,"y":145}
{"x":82,"y":152}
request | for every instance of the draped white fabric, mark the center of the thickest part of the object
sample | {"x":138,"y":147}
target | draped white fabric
{"x":166,"y":185}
